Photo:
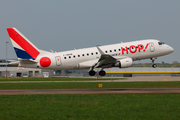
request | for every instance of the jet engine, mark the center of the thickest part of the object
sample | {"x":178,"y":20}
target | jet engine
{"x":124,"y":63}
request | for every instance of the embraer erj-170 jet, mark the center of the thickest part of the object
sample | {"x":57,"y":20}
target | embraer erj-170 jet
{"x":119,"y":55}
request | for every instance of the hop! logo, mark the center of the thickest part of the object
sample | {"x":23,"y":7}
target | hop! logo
{"x":133,"y":49}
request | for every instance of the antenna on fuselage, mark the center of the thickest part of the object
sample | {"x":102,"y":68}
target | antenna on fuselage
{"x":52,"y":51}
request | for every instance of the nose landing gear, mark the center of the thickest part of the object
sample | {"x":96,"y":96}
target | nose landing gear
{"x":153,"y":65}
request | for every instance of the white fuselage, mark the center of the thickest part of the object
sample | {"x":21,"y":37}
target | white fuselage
{"x":137,"y":50}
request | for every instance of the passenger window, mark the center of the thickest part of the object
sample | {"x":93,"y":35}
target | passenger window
{"x":82,"y":54}
{"x":119,"y":49}
{"x":96,"y":53}
{"x":110,"y":50}
{"x":74,"y":56}
{"x":69,"y":56}
{"x":78,"y":55}
{"x":114,"y":50}
{"x":64,"y":57}
{"x":87,"y":54}
{"x":91,"y":53}
{"x":105,"y":51}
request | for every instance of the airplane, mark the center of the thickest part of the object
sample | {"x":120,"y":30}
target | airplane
{"x":119,"y":55}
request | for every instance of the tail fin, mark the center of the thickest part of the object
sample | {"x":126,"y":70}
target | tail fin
{"x":23,"y":47}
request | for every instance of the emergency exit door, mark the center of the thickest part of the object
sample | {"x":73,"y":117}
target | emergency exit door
{"x":58,"y":60}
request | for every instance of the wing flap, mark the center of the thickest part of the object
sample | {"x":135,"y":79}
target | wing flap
{"x":87,"y":64}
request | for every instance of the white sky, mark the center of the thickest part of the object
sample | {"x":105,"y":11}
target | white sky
{"x":64,"y":25}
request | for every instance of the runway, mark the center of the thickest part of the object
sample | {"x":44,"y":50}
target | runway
{"x":90,"y":91}
{"x":129,"y":79}
{"x":99,"y":90}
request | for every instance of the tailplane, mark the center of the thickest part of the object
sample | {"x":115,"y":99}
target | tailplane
{"x":23,"y":47}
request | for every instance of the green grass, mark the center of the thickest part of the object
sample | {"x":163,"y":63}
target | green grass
{"x":56,"y":79}
{"x":77,"y":85}
{"x":90,"y":107}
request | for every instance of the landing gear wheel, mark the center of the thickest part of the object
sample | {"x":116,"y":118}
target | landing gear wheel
{"x":92,"y":73}
{"x":102,"y":73}
{"x":154,"y":65}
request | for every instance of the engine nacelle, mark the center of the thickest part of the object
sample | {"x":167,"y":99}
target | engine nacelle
{"x":124,"y":63}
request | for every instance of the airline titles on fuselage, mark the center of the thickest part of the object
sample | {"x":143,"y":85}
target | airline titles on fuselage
{"x":131,"y":49}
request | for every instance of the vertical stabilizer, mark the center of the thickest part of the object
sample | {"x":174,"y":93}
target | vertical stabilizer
{"x":23,"y":47}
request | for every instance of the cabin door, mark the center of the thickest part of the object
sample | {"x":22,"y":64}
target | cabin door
{"x":58,"y":60}
{"x":152,"y":48}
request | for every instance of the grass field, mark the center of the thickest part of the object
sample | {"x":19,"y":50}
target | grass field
{"x":91,"y":107}
{"x":79,"y":85}
{"x":56,"y":79}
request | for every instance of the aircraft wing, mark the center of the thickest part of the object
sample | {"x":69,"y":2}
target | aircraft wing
{"x":106,"y":60}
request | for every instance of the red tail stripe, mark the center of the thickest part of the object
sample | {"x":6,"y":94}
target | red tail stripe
{"x":23,"y":43}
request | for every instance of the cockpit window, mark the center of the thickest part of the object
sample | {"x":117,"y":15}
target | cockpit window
{"x":160,"y":43}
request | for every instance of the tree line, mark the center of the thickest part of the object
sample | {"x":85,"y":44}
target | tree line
{"x":162,"y":64}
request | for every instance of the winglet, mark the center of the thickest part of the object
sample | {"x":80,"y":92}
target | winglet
{"x":101,"y":52}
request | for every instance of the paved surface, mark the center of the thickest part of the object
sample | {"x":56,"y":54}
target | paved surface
{"x":129,"y":79}
{"x":91,"y":91}
{"x":98,"y":91}
{"x":154,"y":78}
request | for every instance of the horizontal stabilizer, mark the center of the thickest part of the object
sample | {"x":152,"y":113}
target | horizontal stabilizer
{"x":13,"y":64}
{"x":25,"y":61}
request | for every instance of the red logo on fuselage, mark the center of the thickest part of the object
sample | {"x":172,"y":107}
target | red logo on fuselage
{"x":133,"y":49}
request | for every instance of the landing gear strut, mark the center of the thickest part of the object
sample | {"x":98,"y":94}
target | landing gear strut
{"x":153,"y":65}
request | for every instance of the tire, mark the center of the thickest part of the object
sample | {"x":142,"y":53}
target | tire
{"x":92,"y":73}
{"x":154,"y":65}
{"x":102,"y":73}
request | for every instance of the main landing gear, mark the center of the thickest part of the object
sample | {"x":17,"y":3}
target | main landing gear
{"x":101,"y":73}
{"x":153,"y":65}
{"x":92,"y":72}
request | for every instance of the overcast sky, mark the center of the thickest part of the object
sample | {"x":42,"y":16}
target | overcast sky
{"x":64,"y":25}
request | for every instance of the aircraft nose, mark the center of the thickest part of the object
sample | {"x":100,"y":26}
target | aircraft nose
{"x":171,"y":49}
